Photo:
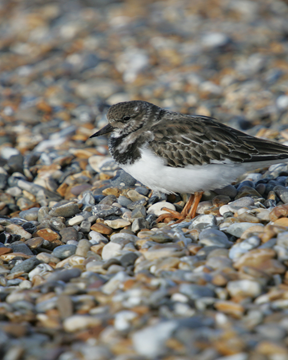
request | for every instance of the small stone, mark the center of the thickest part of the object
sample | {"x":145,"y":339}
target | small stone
{"x":26,"y":265}
{"x":138,"y":212}
{"x":257,"y":258}
{"x":202,"y":222}
{"x":68,"y":233}
{"x":230,"y":308}
{"x":76,"y":220}
{"x":117,"y":224}
{"x":64,"y":275}
{"x":65,"y":306}
{"x":213,"y":237}
{"x":278,"y":212}
{"x":48,"y":234}
{"x":16,"y":229}
{"x":66,"y":210}
{"x":85,"y":226}
{"x":111,"y":250}
{"x":243,"y":247}
{"x":21,"y":247}
{"x":150,"y":341}
{"x":128,"y":259}
{"x":64,"y":251}
{"x":101,"y":228}
{"x":281,"y":222}
{"x":244,"y":288}
{"x":282,"y":192}
{"x":80,"y":322}
{"x":194,"y":291}
{"x":30,"y":215}
{"x":115,"y":282}
{"x":134,"y":195}
{"x":163,"y":251}
{"x":156,"y":208}
{"x":96,"y":238}
{"x":124,"y":201}
{"x":83,"y":248}
{"x":47,"y":258}
{"x":237,"y":229}
{"x":139,"y":224}
{"x":219,"y":263}
{"x":123,"y":318}
{"x":228,"y":190}
{"x":41,"y":270}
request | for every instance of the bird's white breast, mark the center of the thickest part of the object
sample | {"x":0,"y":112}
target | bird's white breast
{"x":152,"y":172}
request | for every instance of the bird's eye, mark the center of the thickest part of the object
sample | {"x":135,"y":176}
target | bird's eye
{"x":126,"y":118}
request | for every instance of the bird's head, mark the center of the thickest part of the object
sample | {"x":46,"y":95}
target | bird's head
{"x":127,"y":117}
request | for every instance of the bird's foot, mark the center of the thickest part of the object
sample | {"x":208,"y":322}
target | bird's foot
{"x":188,"y":212}
{"x":169,"y":216}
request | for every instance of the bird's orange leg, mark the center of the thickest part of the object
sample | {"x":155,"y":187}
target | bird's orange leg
{"x":197,"y":198}
{"x":186,"y":212}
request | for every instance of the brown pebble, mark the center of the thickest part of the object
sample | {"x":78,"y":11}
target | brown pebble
{"x":102,"y":229}
{"x":230,"y":308}
{"x":5,"y":250}
{"x":281,"y":222}
{"x":278,"y":212}
{"x":270,"y":348}
{"x":62,"y":189}
{"x":97,"y":249}
{"x":65,"y":306}
{"x":111,"y":191}
{"x":16,"y":330}
{"x":253,"y":230}
{"x":48,"y":234}
{"x":11,"y":256}
{"x":261,"y":259}
{"x":219,"y":280}
{"x":35,"y":243}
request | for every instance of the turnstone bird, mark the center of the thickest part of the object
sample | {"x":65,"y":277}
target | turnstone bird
{"x":175,"y":153}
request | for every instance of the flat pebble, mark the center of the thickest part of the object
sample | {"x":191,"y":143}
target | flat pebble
{"x":213,"y":237}
{"x":156,"y":209}
{"x":244,"y":288}
{"x":64,"y":251}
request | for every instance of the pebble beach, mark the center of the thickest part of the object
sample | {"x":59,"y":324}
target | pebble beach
{"x":86,"y":272}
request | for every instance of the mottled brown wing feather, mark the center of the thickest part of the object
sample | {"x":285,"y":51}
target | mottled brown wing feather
{"x":198,"y":140}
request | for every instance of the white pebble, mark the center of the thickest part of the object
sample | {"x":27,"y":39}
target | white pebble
{"x":156,"y":208}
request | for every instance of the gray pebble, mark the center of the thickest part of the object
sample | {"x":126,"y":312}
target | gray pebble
{"x":228,"y":190}
{"x":66,"y":210}
{"x":237,"y":229}
{"x":22,"y":248}
{"x":213,"y":237}
{"x":26,"y":265}
{"x":128,"y":259}
{"x":124,"y":201}
{"x":64,"y":251}
{"x":241,"y":248}
{"x":64,"y":275}
{"x":3,"y":180}
{"x":138,"y":212}
{"x":85,"y":226}
{"x":142,"y":190}
{"x":30,"y":214}
{"x":282,"y":192}
{"x":139,"y":224}
{"x":194,"y":291}
{"x":68,"y":233}
{"x":203,"y":222}
{"x":122,"y":180}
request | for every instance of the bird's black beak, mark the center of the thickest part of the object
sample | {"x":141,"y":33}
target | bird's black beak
{"x":105,"y":130}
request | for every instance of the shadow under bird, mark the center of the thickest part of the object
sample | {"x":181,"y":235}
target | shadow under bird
{"x":172,"y":152}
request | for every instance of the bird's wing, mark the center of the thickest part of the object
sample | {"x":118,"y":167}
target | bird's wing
{"x":199,"y":140}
